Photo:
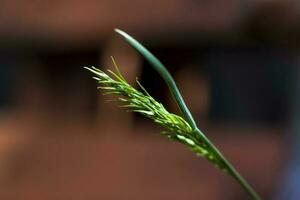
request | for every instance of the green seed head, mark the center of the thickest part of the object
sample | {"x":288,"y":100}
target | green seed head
{"x":176,"y":128}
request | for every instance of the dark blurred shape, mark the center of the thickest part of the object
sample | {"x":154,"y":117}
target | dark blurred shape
{"x":249,"y":84}
{"x":7,"y":82}
{"x":70,"y":91}
{"x":290,"y":183}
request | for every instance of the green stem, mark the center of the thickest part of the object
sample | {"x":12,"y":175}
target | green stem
{"x":161,"y":69}
{"x":229,"y":167}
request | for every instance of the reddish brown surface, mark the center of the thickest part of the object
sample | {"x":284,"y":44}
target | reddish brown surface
{"x":94,"y":19}
{"x":73,"y":160}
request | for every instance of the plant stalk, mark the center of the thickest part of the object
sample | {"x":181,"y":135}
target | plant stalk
{"x":161,"y":69}
{"x":229,"y":167}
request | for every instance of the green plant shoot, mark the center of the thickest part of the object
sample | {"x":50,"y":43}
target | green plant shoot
{"x":181,"y":129}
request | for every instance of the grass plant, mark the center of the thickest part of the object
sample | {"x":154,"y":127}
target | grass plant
{"x":182,"y":129}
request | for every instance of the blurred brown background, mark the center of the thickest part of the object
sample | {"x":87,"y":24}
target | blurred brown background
{"x":236,"y":63}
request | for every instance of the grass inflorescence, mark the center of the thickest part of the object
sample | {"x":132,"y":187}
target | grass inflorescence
{"x":181,"y":129}
{"x":176,"y":128}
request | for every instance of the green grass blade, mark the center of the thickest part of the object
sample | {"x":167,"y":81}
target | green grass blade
{"x":213,"y":154}
{"x":161,"y":69}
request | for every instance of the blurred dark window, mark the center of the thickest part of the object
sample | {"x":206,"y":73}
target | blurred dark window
{"x":249,"y":84}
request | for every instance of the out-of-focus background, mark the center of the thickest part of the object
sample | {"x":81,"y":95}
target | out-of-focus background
{"x":236,"y":64}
